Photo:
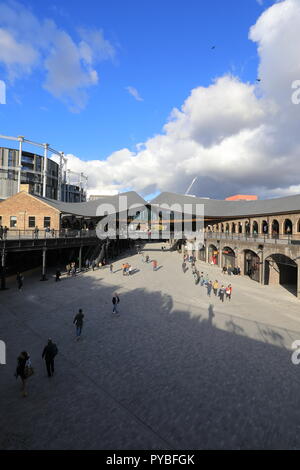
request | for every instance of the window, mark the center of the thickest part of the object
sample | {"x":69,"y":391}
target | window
{"x":47,"y":221}
{"x":13,"y":221}
{"x":31,"y":221}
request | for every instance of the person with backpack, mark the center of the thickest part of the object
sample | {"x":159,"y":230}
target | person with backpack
{"x":49,"y":353}
{"x":115,"y":302}
{"x":222,"y":293}
{"x":209,"y":288}
{"x":24,"y":370}
{"x":78,"y":321}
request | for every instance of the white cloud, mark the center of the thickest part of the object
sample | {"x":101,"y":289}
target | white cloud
{"x":27,"y":42}
{"x":236,"y":137}
{"x":133,"y":92}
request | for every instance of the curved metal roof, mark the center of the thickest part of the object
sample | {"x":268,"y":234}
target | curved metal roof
{"x":214,"y":208}
{"x":90,"y":208}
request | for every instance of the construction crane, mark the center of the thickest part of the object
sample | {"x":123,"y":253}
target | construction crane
{"x":190,"y":186}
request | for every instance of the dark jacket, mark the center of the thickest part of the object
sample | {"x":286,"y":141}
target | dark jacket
{"x":50,"y":351}
{"x":78,"y":320}
{"x":115,"y":300}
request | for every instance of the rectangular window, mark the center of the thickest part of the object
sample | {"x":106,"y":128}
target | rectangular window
{"x":31,"y":222}
{"x":47,"y":222}
{"x":13,"y":221}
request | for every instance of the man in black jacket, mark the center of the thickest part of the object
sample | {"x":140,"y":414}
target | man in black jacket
{"x":49,"y":354}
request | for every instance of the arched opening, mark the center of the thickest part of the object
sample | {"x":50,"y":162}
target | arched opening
{"x":255,"y":228}
{"x":247,"y":227}
{"x":288,"y":227}
{"x":222,"y":228}
{"x":265,"y":227}
{"x":228,"y":257}
{"x":240,"y":227}
{"x":252,"y":265}
{"x":213,"y":254}
{"x":280,"y":269}
{"x":275,"y":229}
{"x":227,"y":228}
{"x":233,"y":227}
{"x":298,"y":226}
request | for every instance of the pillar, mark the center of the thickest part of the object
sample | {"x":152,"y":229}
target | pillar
{"x":206,"y":252}
{"x":80,"y":258}
{"x":220,"y":249}
{"x":298,"y":279}
{"x":262,"y":269}
{"x":21,"y":140}
{"x":3,"y":266}
{"x":44,"y":265}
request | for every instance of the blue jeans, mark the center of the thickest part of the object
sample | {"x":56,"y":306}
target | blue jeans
{"x":78,"y":330}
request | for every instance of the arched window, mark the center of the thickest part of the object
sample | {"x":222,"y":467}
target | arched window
{"x":275,"y":228}
{"x":288,"y":227}
{"x":265,"y":227}
{"x":255,"y":228}
{"x":233,"y":227}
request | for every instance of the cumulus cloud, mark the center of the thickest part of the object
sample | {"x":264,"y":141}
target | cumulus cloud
{"x":236,"y":137}
{"x":133,"y":92}
{"x":27,"y":42}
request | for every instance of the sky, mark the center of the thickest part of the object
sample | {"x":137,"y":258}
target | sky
{"x":147,"y":95}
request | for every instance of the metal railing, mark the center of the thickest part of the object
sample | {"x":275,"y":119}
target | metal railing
{"x":255,"y":237}
{"x":13,"y":234}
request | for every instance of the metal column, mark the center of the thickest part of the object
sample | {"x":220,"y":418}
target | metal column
{"x":44,"y":265}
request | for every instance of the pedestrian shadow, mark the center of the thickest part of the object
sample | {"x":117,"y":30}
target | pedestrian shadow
{"x":158,"y":268}
{"x":234,"y":328}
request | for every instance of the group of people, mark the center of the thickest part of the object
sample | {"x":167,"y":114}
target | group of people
{"x":127,"y":269}
{"x":203,"y":280}
{"x":3,"y":232}
{"x":24,"y":368}
{"x":71,"y":269}
{"x":230,"y":270}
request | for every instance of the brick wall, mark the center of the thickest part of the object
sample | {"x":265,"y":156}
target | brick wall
{"x":23,"y":206}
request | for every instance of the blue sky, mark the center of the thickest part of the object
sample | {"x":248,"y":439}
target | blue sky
{"x":137,"y":97}
{"x":162,"y":48}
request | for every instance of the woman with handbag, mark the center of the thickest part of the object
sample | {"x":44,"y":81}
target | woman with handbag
{"x":24,"y":370}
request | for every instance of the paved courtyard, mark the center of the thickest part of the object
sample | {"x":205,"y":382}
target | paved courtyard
{"x":175,"y":370}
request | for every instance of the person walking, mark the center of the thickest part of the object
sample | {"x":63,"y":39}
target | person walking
{"x":57,"y":275}
{"x":20,"y":279}
{"x":49,"y":353}
{"x":228,"y":292}
{"x":36,"y":232}
{"x":209,"y":288}
{"x":87,"y":264}
{"x":24,"y":370}
{"x":115,"y":302}
{"x":78,"y":321}
{"x":201,"y":279}
{"x":222,"y":293}
{"x":111,"y":268}
{"x":1,"y":232}
{"x":215,"y":287}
